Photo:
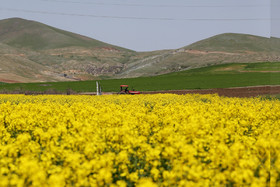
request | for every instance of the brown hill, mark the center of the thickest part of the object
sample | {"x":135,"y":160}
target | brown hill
{"x":34,"y":52}
{"x":223,"y":48}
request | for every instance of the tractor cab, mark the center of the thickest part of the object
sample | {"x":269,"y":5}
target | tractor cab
{"x":124,"y":90}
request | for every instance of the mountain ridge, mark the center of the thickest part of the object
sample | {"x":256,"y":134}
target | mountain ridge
{"x":23,"y":33}
{"x":230,"y":41}
{"x":218,"y":49}
{"x":34,"y":52}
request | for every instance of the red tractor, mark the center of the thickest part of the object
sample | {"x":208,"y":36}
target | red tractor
{"x":124,"y":90}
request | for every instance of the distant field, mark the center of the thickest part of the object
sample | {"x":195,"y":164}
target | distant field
{"x":219,"y":76}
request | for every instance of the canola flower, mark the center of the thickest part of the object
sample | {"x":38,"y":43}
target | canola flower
{"x":145,"y":140}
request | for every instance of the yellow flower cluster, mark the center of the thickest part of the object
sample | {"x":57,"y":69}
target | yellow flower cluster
{"x":145,"y":140}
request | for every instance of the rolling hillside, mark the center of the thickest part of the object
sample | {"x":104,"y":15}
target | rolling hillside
{"x":220,"y":49}
{"x":20,"y":33}
{"x":35,"y":52}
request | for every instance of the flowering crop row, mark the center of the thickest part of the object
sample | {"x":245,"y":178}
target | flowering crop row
{"x":147,"y":140}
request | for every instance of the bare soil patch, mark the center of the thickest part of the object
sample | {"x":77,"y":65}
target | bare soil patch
{"x":210,"y":52}
{"x":252,"y":91}
{"x":9,"y":81}
{"x":228,"y":92}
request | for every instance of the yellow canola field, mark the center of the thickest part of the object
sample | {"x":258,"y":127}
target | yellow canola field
{"x":145,"y":140}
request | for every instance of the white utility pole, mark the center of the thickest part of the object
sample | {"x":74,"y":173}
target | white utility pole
{"x":98,"y":88}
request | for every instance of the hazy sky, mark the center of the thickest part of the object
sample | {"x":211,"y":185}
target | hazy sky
{"x":275,"y":18}
{"x":150,"y":24}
